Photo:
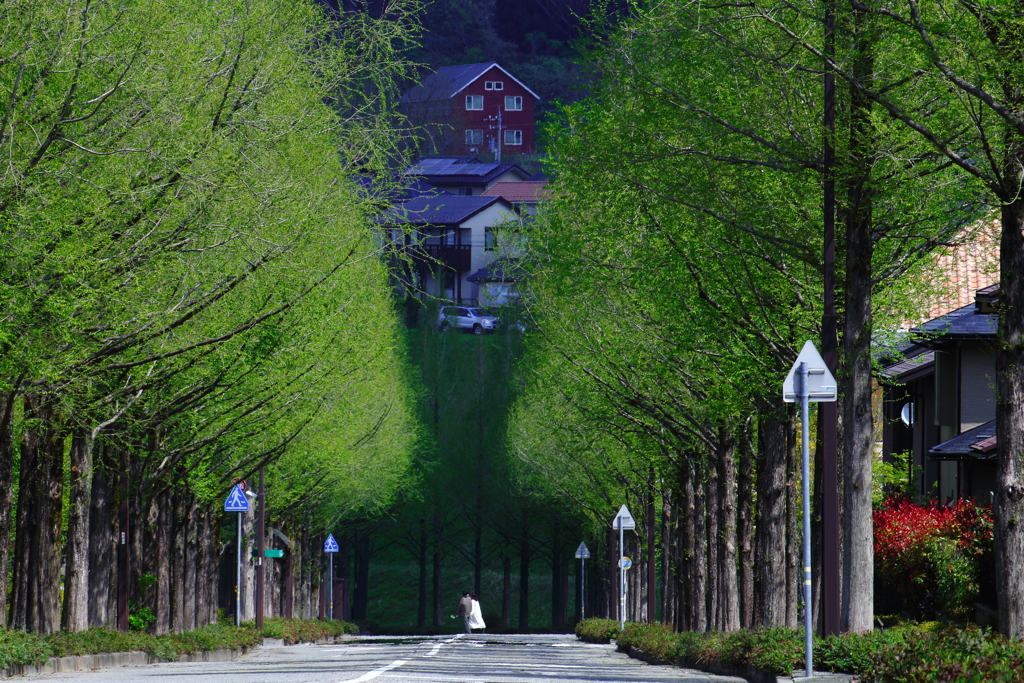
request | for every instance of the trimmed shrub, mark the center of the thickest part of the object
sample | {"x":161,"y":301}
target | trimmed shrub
{"x":597,"y":630}
{"x":932,"y":559}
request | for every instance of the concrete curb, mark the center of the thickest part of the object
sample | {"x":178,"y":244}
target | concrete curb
{"x":111,"y":660}
{"x":107,"y":660}
{"x":747,"y":672}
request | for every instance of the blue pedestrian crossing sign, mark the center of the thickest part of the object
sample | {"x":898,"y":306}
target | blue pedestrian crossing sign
{"x":330,"y":545}
{"x":236,"y":502}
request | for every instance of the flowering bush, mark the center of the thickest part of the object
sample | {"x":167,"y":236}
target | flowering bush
{"x":931,"y":558}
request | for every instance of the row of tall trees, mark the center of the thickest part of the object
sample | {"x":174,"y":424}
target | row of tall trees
{"x":188,"y":291}
{"x":680,"y":269}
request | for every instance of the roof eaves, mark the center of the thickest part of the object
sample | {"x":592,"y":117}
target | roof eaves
{"x":502,"y":69}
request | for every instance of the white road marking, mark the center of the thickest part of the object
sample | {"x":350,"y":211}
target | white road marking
{"x":437,"y":648}
{"x":376,"y":672}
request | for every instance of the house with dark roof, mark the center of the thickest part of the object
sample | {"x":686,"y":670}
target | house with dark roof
{"x":463,"y":175}
{"x":939,"y":401}
{"x":470,"y":109}
{"x":446,"y":240}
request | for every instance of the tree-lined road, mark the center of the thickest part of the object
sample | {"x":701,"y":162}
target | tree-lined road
{"x":459,"y":659}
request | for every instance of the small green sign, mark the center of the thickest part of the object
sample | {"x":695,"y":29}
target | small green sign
{"x":273,"y":553}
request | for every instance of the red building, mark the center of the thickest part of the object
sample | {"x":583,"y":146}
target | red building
{"x":472,"y":109}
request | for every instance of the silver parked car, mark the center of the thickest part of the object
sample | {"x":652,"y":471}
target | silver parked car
{"x":471,"y":319}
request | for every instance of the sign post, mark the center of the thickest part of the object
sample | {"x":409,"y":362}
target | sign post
{"x":330,"y":547}
{"x":623,"y":520}
{"x":808,"y":380}
{"x":261,"y":506}
{"x":237,"y":502}
{"x":582,"y":553}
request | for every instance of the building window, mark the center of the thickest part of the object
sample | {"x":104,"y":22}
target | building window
{"x":513,"y":103}
{"x":475,"y":102}
{"x":513,"y":137}
{"x":490,"y":240}
{"x":466,"y":191}
{"x":494,"y":85}
{"x":474,"y":137}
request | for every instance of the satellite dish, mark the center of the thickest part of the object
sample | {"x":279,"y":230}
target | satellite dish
{"x":907,"y":414}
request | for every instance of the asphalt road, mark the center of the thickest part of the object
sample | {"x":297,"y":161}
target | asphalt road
{"x":460,"y":659}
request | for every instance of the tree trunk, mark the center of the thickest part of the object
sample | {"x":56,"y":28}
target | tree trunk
{"x":770,"y":532}
{"x":794,"y":548}
{"x":177,"y":562}
{"x":101,"y":536}
{"x":856,"y":611}
{"x":191,"y":524}
{"x":421,"y":605}
{"x":1009,"y":511}
{"x":688,"y":511}
{"x":652,"y":560}
{"x":75,"y":613}
{"x":557,"y":604}
{"x":727,"y":547}
{"x":506,"y":590}
{"x":207,"y":553}
{"x":524,"y":582}
{"x":7,"y":402}
{"x":714,"y":585}
{"x":362,"y":590}
{"x":745,"y":530}
{"x":437,"y":557}
{"x":699,"y":603}
{"x":161,"y":544}
{"x":43,"y":501}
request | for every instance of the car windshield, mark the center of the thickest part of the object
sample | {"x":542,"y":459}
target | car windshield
{"x":480,"y":311}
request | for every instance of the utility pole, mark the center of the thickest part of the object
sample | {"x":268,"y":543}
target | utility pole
{"x":497,"y":138}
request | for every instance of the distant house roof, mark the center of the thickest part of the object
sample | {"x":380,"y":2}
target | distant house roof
{"x":963,"y":323}
{"x":909,"y":369}
{"x":447,"y":209}
{"x":449,"y":81}
{"x":459,"y":170}
{"x":974,"y":444}
{"x":499,"y":270}
{"x":538,"y":176}
{"x":525,"y":191}
{"x":397,"y":192}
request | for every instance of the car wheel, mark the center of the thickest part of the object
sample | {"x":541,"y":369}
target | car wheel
{"x":478,"y":329}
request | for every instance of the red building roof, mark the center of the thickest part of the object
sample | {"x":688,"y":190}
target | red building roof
{"x":526,"y":191}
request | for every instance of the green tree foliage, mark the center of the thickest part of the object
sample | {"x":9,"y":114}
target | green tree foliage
{"x":190,"y":274}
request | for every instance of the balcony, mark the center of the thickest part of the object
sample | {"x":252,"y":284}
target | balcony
{"x":454,"y":256}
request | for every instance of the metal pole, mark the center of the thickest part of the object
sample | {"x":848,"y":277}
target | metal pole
{"x":801,"y":391}
{"x":622,"y":577}
{"x":238,"y":573}
{"x":583,"y":592}
{"x":260,"y":548}
{"x":330,"y":587}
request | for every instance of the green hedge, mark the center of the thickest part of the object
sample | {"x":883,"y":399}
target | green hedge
{"x":909,"y":654}
{"x":18,"y":647}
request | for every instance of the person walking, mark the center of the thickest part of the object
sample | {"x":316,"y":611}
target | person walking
{"x":476,"y":616}
{"x":464,"y":610}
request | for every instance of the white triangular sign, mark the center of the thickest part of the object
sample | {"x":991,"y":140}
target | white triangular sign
{"x":583,"y":552}
{"x":821,"y":385}
{"x":623,"y":520}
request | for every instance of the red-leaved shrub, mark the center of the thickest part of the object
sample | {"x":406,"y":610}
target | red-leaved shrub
{"x":932,"y":558}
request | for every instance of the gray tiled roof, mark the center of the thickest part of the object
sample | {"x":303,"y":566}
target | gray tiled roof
{"x":959,"y":447}
{"x":963,"y":323}
{"x":909,"y":369}
{"x":444,"y":209}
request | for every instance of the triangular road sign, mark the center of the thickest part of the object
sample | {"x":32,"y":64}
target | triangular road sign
{"x":623,"y":519}
{"x":821,"y":385}
{"x":583,"y":552}
{"x":237,"y":501}
{"x":330,"y":545}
